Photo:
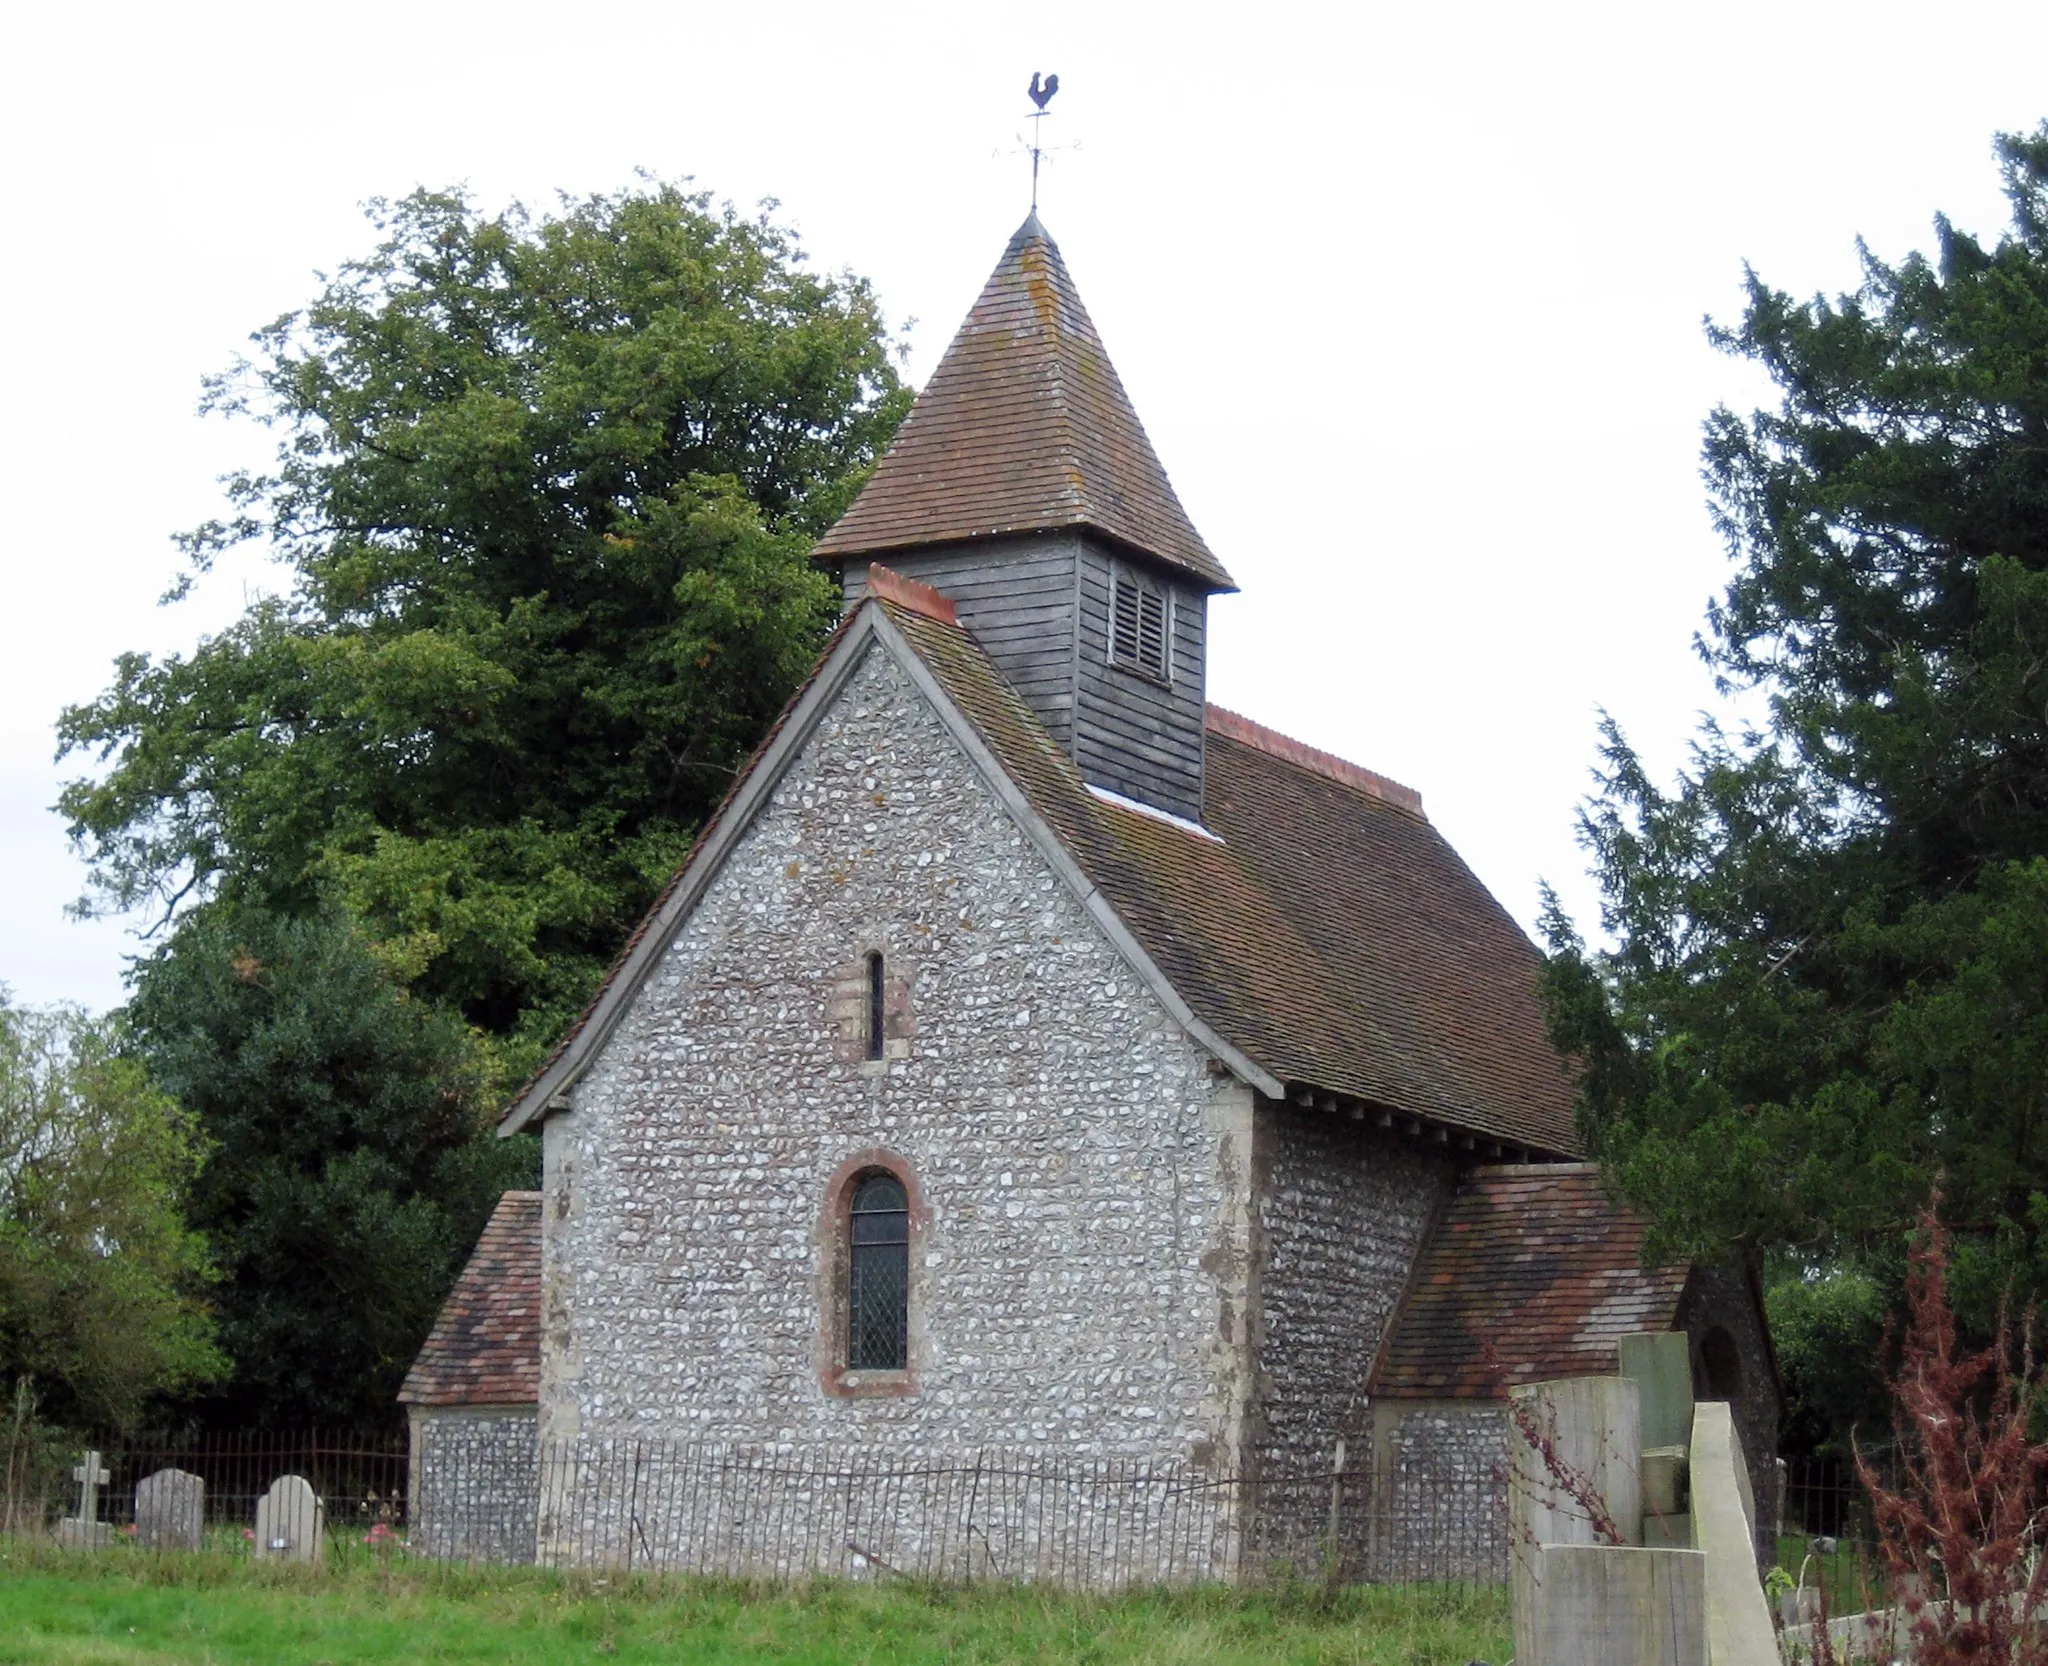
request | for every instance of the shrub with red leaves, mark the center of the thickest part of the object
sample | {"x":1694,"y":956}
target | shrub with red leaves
{"x":1961,"y":1534}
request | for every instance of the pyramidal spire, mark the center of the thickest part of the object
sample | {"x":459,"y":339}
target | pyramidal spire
{"x":1024,"y":427}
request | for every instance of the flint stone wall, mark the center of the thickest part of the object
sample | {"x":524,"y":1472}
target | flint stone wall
{"x":1079,"y":1278}
{"x":475,"y":1483}
{"x":1442,"y":1469}
{"x":1343,"y":1207}
{"x":1717,"y":1298}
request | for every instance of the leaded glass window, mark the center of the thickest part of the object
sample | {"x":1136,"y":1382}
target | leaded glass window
{"x":878,"y":1281}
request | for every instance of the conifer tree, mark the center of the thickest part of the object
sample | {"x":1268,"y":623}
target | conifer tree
{"x":1829,"y":976}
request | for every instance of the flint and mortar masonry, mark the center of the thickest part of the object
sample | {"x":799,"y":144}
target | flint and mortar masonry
{"x":1081,"y":1281}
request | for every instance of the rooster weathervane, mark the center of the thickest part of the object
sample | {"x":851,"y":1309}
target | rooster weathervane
{"x":1041,"y":92}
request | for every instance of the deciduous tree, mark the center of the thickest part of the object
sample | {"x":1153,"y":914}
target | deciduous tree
{"x":103,"y":1285}
{"x":543,"y":502}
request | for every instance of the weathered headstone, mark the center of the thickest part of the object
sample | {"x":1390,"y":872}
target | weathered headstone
{"x":1607,"y":1605}
{"x":170,"y":1511}
{"x":85,"y":1531}
{"x":1578,"y":1434}
{"x":290,"y":1520}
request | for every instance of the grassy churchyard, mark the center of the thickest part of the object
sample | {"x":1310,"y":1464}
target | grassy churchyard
{"x":131,"y":1608}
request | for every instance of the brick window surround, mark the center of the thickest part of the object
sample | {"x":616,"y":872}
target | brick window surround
{"x":834,"y":1236}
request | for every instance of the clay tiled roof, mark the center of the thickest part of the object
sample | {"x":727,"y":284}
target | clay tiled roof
{"x":1321,"y":926}
{"x":484,"y":1349}
{"x":1024,"y":427}
{"x":1533,"y":1273}
{"x":1328,"y":932}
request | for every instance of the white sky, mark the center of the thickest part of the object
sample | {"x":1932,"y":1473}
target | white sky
{"x":1408,"y":297}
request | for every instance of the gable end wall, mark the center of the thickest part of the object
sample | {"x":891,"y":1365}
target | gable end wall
{"x":1083,"y":1272}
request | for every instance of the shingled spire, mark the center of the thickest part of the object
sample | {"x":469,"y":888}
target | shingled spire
{"x":1024,"y":427}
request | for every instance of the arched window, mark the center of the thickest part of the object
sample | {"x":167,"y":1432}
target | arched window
{"x":1720,"y":1366}
{"x":878,"y":1011}
{"x":878,"y":1275}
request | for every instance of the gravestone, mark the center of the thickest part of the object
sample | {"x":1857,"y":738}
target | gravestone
{"x":1608,"y":1605}
{"x":290,"y":1520}
{"x":170,"y":1511}
{"x":1587,"y":1431}
{"x":85,"y":1531}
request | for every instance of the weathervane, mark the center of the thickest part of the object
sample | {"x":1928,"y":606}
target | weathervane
{"x":1041,"y":95}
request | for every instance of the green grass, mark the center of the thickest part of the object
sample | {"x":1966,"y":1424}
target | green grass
{"x":124,"y":1608}
{"x":1854,"y":1582}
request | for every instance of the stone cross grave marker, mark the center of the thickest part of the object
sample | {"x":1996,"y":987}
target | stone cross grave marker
{"x":290,"y":1520}
{"x":170,"y":1511}
{"x":85,"y":1531}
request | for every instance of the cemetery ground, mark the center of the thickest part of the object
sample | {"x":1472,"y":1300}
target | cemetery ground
{"x":128,"y":1607}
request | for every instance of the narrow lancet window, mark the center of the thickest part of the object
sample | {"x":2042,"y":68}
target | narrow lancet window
{"x":878,"y":1276}
{"x":878,"y":1014}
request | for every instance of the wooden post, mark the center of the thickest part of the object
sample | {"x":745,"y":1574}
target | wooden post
{"x":1604,"y":1605}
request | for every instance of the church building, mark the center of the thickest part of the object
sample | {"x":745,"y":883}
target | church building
{"x":1034,"y":1057}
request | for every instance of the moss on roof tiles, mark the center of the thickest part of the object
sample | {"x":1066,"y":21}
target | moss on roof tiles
{"x":1332,"y":935}
{"x":1023,"y":427}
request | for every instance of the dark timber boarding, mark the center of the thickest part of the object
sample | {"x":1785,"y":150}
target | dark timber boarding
{"x":1133,"y":735}
{"x":1021,"y":598}
{"x":1017,"y":596}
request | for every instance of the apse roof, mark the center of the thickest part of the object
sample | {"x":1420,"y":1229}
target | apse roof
{"x":1534,"y":1273}
{"x":484,"y":1349}
{"x":1024,"y":427}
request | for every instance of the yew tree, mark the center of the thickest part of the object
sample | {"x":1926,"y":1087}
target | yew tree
{"x":1828,"y":975}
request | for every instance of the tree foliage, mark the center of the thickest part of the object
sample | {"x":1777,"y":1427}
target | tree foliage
{"x":1829,"y":974}
{"x":544,"y":494}
{"x":543,"y":499}
{"x":102,"y":1283}
{"x":353,"y":1160}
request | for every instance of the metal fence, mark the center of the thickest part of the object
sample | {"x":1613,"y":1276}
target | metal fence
{"x":989,"y":1514}
{"x":1824,"y":1497}
{"x":361,"y":1479}
{"x":492,"y":1492}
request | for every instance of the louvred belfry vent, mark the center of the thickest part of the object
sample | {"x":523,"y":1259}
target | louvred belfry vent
{"x":1139,"y":632}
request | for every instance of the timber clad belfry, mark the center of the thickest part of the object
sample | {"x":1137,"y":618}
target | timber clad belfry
{"x":1031,"y":1064}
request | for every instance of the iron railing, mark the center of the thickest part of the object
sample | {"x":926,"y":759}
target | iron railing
{"x":487,"y":1490}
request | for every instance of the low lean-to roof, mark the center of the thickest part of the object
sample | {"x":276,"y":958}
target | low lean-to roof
{"x":484,"y":1349}
{"x":1024,"y":427}
{"x":1318,"y":926}
{"x":1533,"y":1273}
